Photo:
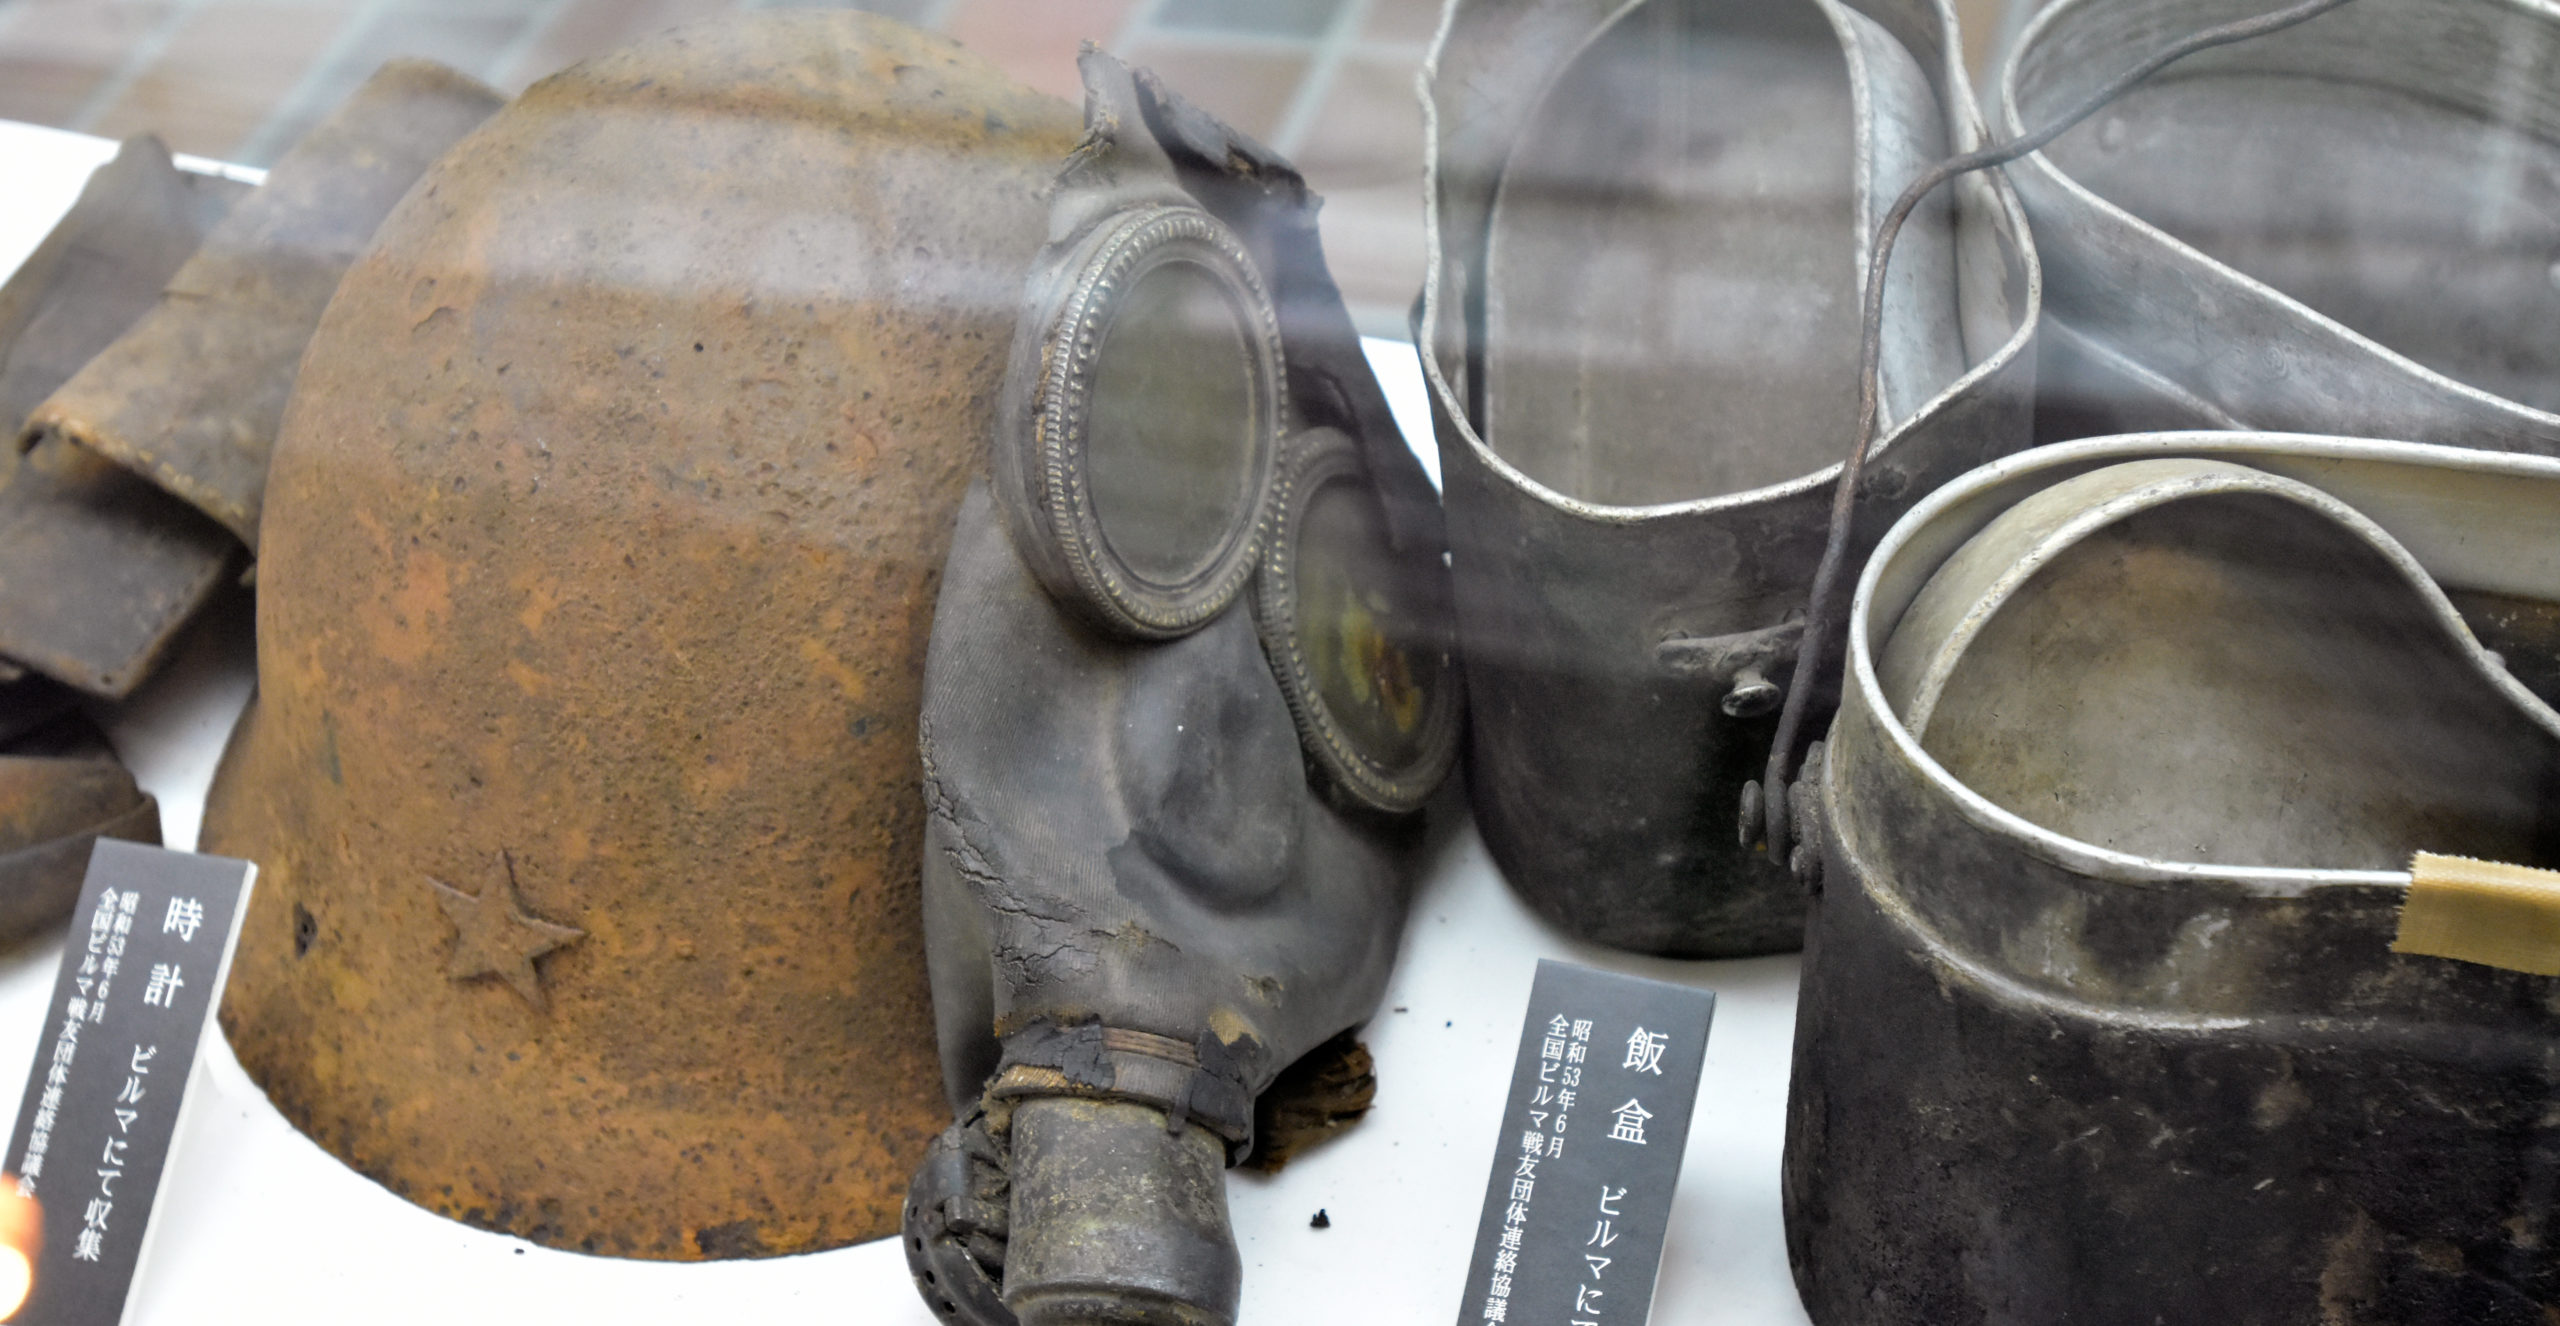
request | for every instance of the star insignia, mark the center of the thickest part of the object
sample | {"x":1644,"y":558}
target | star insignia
{"x":492,"y":935}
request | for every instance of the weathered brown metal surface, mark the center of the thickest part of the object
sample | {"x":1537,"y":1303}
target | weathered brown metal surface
{"x":99,"y":568}
{"x":192,"y":394}
{"x":602,"y":547}
{"x":61,"y":789}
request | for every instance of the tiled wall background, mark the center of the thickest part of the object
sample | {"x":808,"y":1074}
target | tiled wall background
{"x":1327,"y":82}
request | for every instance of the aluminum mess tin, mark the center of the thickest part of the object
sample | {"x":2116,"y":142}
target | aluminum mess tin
{"x":2101,"y":1020}
{"x":1647,"y":227}
{"x":2351,"y":226}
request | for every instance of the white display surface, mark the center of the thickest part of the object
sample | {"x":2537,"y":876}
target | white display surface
{"x":258,"y":1224}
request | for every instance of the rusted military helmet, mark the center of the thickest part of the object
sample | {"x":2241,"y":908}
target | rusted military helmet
{"x":599,"y":555}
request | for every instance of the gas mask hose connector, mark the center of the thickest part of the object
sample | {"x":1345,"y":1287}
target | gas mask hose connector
{"x":1118,"y":1219}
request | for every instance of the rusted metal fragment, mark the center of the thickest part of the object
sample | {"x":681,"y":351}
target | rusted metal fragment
{"x":96,"y":567}
{"x":191,"y":396}
{"x":1330,"y":1088}
{"x":61,"y":790}
{"x":605,"y":531}
{"x":99,"y":569}
{"x":103,"y":265}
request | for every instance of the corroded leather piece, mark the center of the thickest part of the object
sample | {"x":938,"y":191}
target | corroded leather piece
{"x":97,"y":569}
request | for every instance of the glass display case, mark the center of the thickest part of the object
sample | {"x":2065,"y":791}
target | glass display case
{"x":951,"y":660}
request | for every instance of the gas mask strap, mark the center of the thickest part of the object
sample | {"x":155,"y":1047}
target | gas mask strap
{"x":1199,"y":1083}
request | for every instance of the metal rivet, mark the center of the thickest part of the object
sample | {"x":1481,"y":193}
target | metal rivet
{"x":1753,"y":695}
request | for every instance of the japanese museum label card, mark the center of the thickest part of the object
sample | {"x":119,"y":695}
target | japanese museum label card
{"x":1589,"y":1153}
{"x":150,"y":943}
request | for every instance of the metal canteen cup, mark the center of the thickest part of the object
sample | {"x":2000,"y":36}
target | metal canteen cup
{"x":1167,"y":852}
{"x":1643,"y":378}
{"x":2100,"y":1019}
{"x":2350,"y":227}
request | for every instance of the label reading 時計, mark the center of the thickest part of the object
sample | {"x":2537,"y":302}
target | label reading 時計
{"x":150,"y":943}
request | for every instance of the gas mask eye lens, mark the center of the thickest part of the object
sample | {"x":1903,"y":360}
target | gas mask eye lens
{"x":1172,"y":437}
{"x":1137,"y":448}
{"x":1356,"y":633}
{"x":1364,"y":677}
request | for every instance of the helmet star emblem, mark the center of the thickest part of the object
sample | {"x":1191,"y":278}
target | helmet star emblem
{"x":493,"y":936}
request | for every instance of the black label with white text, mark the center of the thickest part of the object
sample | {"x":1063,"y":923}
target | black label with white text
{"x":1592,"y":1134}
{"x":149,"y":945}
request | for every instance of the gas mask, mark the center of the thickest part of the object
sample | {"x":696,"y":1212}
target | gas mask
{"x":1189,"y":678}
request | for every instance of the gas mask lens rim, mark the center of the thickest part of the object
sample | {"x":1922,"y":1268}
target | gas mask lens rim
{"x":1154,"y":445}
{"x":1389,"y":646}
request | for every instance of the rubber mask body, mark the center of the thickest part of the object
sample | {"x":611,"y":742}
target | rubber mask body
{"x":1160,"y":867}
